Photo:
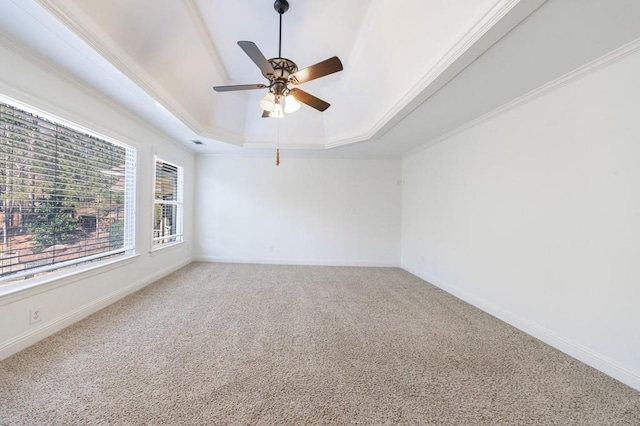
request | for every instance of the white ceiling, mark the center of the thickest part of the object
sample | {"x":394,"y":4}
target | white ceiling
{"x":413,"y":70}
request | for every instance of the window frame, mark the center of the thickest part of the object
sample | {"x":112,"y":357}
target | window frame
{"x":176,"y":238}
{"x":35,"y":277}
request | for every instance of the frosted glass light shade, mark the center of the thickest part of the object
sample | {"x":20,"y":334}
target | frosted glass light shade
{"x":291,"y":104}
{"x":268,"y":103}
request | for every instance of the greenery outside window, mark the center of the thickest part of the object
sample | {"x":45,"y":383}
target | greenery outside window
{"x":66,"y":196}
{"x":167,"y":209}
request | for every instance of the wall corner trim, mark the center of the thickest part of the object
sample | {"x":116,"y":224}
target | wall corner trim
{"x":24,"y":340}
{"x":593,"y":66}
{"x":602,"y":363}
{"x":303,"y":262}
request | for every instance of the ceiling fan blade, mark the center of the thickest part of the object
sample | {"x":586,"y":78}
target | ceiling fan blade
{"x":326,"y":67}
{"x":265,"y":114}
{"x":310,"y":100}
{"x":238,"y":87}
{"x":257,"y":57}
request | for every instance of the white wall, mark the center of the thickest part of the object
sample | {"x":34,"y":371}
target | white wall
{"x":531,"y":214}
{"x":311,"y":211}
{"x":64,"y":301}
{"x":534,"y":216}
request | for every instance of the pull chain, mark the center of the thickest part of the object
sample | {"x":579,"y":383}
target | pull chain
{"x":278,"y":145}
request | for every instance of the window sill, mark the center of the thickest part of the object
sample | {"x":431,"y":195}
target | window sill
{"x":10,"y":293}
{"x":165,"y":247}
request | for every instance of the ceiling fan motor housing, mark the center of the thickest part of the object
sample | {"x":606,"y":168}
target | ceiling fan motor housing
{"x":282,"y":68}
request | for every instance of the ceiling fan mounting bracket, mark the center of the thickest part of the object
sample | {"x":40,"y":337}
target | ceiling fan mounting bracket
{"x":281,"y":6}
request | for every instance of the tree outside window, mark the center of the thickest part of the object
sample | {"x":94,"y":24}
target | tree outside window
{"x":167,"y":212}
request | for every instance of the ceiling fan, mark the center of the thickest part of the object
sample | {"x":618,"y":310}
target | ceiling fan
{"x":281,"y":72}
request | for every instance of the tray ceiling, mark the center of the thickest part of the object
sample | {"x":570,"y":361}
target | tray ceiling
{"x":177,"y":50}
{"x":413,"y":70}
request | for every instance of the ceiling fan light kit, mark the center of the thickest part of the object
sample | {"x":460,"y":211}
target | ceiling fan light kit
{"x":280,"y":72}
{"x":291,"y":104}
{"x":268,"y":103}
{"x":277,"y":109}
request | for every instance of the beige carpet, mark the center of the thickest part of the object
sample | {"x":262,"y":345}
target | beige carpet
{"x":279,"y":345}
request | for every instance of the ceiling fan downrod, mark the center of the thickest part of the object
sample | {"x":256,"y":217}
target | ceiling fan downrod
{"x":281,"y":6}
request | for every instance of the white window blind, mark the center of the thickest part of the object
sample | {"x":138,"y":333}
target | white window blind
{"x":66,"y":197}
{"x":167,"y":209}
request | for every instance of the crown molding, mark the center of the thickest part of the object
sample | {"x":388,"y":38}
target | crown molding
{"x":69,"y":15}
{"x":298,"y":154}
{"x":285,"y":145}
{"x":72,"y":16}
{"x":91,"y":34}
{"x":455,"y":60}
{"x":466,"y":50}
{"x":221,"y":135}
{"x":278,"y":135}
{"x":580,"y":72}
{"x":201,"y":28}
{"x":472,"y":44}
{"x":42,"y":63}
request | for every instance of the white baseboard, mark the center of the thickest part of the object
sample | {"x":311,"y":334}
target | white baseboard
{"x":24,"y":340}
{"x":309,"y":262}
{"x":599,"y":362}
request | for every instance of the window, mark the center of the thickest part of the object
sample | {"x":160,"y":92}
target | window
{"x":167,"y":209}
{"x":66,"y":196}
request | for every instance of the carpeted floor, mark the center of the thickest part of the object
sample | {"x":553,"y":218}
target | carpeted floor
{"x":278,"y":345}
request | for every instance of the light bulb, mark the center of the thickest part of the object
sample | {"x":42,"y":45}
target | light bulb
{"x":291,"y":104}
{"x":268,"y":103}
{"x":277,"y":111}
